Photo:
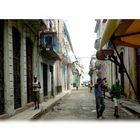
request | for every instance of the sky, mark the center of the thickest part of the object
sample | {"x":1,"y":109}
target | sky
{"x":82,"y":36}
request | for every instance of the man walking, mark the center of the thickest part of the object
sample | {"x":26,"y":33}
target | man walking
{"x":36,"y":88}
{"x":116,"y":91}
{"x":100,"y":105}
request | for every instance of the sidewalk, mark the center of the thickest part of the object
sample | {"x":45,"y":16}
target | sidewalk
{"x":129,"y":104}
{"x":30,"y":113}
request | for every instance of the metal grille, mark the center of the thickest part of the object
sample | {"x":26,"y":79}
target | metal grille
{"x":1,"y":69}
{"x":45,"y":82}
{"x":16,"y":68}
{"x":29,"y":69}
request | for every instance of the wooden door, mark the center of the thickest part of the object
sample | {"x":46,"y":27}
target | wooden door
{"x":29,"y":69}
{"x":122,"y":70}
{"x":52,"y":82}
{"x":45,"y":81}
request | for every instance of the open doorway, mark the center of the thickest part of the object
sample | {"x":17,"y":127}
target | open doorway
{"x":16,"y":67}
{"x":29,"y":69}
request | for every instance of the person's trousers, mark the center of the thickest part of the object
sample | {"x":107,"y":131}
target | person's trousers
{"x":100,"y":106}
{"x":116,"y":101}
{"x":116,"y":105}
{"x":36,"y":98}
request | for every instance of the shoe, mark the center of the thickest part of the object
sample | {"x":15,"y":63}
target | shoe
{"x":117,"y":116}
{"x":103,"y":117}
{"x":100,"y":118}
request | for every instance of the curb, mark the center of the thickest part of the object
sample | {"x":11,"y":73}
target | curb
{"x":48,"y":108}
{"x":130,"y":108}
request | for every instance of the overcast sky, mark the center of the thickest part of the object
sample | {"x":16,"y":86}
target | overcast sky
{"x":82,"y":37}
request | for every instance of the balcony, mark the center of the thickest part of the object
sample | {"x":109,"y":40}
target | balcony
{"x":50,"y":46}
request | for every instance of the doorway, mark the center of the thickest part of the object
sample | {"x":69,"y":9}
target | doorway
{"x":45,"y":79}
{"x":121,"y":70}
{"x":16,"y":67}
{"x":1,"y":68}
{"x":52,"y":82}
{"x":138,"y":71}
{"x":29,"y":45}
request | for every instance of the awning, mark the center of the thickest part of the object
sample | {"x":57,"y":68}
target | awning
{"x":108,"y":32}
{"x":122,"y":32}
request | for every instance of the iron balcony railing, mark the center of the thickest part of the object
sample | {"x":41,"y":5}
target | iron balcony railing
{"x":50,"y":41}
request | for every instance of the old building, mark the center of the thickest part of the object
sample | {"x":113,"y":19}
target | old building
{"x":28,"y":48}
{"x":78,"y":72}
{"x":50,"y":53}
{"x":103,"y":67}
{"x":18,"y":63}
{"x":123,"y":43}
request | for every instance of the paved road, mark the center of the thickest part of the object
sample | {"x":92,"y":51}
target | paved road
{"x":80,"y":105}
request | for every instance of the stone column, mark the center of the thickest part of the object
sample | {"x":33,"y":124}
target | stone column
{"x":8,"y":68}
{"x":23,"y":69}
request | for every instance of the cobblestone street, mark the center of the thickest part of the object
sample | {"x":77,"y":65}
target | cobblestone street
{"x":80,"y":105}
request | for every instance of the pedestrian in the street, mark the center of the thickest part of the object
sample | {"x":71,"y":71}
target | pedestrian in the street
{"x":77,"y":84}
{"x":90,"y":86}
{"x":36,"y":88}
{"x":116,"y":90}
{"x":100,"y":105}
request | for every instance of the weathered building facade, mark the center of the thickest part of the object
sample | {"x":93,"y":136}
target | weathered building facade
{"x":18,"y":46}
{"x":78,"y":71}
{"x":126,"y":54}
{"x":101,"y":68}
{"x":28,"y":48}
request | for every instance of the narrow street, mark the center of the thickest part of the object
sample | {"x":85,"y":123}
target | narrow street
{"x":80,"y":105}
